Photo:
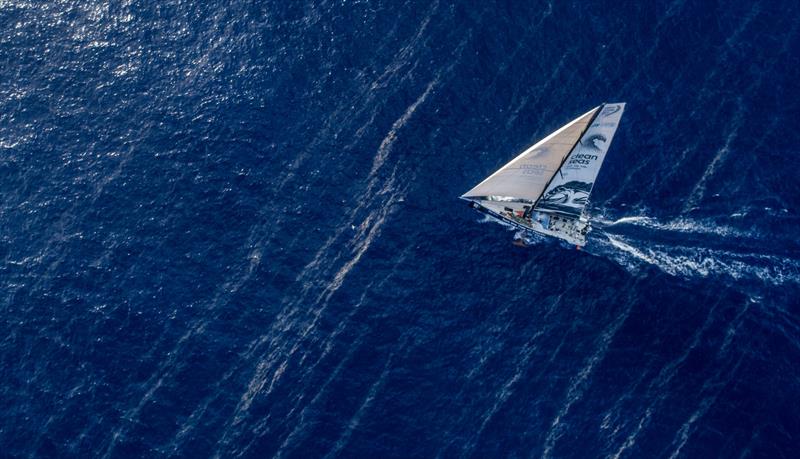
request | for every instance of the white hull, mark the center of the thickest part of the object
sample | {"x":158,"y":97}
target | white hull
{"x":571,"y":230}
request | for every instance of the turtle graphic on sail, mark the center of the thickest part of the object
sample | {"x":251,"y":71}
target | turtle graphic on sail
{"x":546,"y":188}
{"x":566,"y":197}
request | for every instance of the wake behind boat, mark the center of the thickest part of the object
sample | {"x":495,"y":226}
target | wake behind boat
{"x":546,"y":188}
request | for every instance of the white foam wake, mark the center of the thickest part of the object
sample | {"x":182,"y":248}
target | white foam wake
{"x":680,"y":225}
{"x":695,"y":247}
{"x":689,"y":261}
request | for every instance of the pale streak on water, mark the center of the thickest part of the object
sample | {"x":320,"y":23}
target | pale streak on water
{"x":356,"y":419}
{"x":361,"y":241}
{"x":171,"y":362}
{"x":578,"y":384}
{"x":254,"y":386}
{"x":662,"y":381}
{"x":365,"y":234}
{"x":686,"y":430}
{"x":299,"y":432}
{"x":505,"y":391}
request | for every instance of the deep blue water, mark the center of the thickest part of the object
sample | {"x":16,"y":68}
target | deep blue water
{"x":232,"y":229}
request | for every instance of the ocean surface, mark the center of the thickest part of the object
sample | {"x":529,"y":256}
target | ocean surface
{"x":232,"y":229}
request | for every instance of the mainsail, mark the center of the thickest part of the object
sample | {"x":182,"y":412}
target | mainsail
{"x":525,"y":177}
{"x":568,"y":192}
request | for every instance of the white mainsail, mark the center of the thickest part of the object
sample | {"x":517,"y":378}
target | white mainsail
{"x":568,"y":192}
{"x":525,"y":177}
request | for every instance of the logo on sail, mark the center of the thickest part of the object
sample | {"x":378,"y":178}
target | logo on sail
{"x":539,"y":151}
{"x":609,"y":110}
{"x":594,"y":141}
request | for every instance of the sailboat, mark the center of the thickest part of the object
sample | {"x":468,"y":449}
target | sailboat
{"x":545,"y":190}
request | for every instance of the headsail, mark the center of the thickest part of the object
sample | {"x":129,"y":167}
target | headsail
{"x":526,"y":176}
{"x":568,"y":192}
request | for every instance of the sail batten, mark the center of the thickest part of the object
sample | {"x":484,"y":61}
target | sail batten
{"x":526,"y":176}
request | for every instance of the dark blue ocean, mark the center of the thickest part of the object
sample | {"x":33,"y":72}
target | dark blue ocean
{"x":232,"y":229}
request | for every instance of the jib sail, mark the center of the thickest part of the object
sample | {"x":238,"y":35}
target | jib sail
{"x":568,"y":191}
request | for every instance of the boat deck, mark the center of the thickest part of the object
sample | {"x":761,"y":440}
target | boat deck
{"x":572,"y":230}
